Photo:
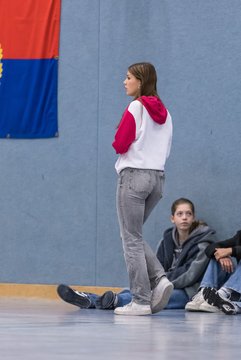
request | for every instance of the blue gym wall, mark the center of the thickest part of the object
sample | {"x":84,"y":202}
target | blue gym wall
{"x":57,"y":196}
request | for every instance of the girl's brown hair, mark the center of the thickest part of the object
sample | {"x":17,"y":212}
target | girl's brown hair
{"x":146,"y":73}
{"x":180,"y":202}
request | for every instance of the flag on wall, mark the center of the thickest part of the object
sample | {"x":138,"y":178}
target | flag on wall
{"x":29,"y":49}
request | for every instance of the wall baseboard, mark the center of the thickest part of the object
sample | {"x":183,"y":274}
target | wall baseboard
{"x":43,"y":291}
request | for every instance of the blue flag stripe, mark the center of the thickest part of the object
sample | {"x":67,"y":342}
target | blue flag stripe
{"x":28,"y":98}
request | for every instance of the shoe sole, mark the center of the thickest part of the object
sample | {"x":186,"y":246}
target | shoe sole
{"x":164,"y":300}
{"x":200,"y":309}
{"x":210,"y":310}
{"x":213,"y":298}
{"x":69,"y":296}
{"x":192,"y":309}
{"x":131,"y":313}
{"x":107,"y":300}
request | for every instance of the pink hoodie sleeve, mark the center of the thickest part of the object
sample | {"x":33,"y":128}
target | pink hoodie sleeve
{"x":125,"y":134}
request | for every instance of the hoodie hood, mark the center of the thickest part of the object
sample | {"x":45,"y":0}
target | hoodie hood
{"x":155,"y":108}
{"x":202,"y":233}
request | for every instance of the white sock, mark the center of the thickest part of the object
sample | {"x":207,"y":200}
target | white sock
{"x":225,"y":292}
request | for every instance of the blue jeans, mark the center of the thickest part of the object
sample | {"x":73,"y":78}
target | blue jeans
{"x":124,"y":297}
{"x":138,"y":192}
{"x":177,"y":300}
{"x":216,"y":277}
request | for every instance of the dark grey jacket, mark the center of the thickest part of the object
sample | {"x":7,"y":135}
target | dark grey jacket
{"x":191,"y":264}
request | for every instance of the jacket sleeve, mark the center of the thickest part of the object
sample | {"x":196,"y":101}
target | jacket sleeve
{"x":165,"y":250}
{"x":191,"y":271}
{"x":160,"y":251}
{"x":234,"y":243}
{"x":125,"y":134}
{"x":236,"y":252}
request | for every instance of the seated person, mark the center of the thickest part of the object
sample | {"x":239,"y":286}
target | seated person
{"x":220,"y":288}
{"x":181,"y":253}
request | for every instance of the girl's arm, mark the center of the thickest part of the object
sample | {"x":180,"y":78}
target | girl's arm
{"x":191,"y":271}
{"x":125,"y":134}
{"x":129,"y":127}
{"x":222,"y":253}
{"x":234,"y":243}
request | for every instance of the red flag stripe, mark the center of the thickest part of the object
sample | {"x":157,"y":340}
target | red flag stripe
{"x":29,"y":29}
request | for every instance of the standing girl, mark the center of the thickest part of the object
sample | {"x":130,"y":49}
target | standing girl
{"x":143,"y":140}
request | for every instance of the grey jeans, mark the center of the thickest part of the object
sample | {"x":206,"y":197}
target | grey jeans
{"x":138,"y":192}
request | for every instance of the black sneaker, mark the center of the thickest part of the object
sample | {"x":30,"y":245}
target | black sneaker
{"x":108,"y":300}
{"x":212,"y":296}
{"x":73,"y":297}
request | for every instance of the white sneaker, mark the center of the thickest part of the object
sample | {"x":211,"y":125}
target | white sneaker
{"x":161,"y":295}
{"x":133,"y":309}
{"x":195,"y":303}
{"x":205,"y":306}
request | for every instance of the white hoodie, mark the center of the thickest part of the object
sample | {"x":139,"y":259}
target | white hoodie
{"x":143,"y":138}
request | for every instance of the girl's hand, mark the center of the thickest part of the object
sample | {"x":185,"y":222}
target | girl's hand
{"x":222,"y":253}
{"x":226,"y":264}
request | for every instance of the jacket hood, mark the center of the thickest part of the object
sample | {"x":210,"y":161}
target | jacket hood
{"x":155,"y":108}
{"x":202,"y":233}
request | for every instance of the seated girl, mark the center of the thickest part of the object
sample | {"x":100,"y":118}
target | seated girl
{"x":181,"y":253}
{"x":220,"y":288}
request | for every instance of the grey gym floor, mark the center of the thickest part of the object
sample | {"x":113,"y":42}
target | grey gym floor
{"x":50,"y":329}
